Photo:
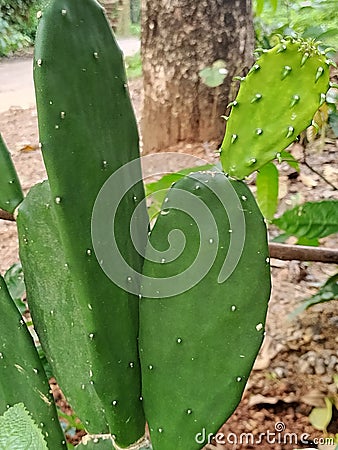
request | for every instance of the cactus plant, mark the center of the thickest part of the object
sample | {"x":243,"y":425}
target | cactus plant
{"x":188,"y":327}
{"x":198,"y":347}
{"x":286,"y":84}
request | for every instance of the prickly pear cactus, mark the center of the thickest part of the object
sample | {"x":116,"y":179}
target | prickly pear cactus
{"x":10,"y":190}
{"x":22,"y":377}
{"x":276,"y":101}
{"x":87,"y":132}
{"x":198,"y":345}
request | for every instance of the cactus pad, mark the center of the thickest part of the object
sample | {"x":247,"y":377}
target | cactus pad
{"x":87,"y":132}
{"x":276,"y":101}
{"x":197,"y":347}
{"x":22,"y":377}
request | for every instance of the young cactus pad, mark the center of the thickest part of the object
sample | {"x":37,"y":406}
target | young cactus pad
{"x":87,"y":132}
{"x":22,"y":377}
{"x":276,"y":101}
{"x":197,"y":347}
{"x":10,"y":189}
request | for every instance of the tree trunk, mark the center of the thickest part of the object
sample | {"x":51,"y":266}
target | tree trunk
{"x":179,"y":38}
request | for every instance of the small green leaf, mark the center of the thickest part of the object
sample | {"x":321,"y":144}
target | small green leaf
{"x":167,"y":180}
{"x":321,"y":417}
{"x":313,"y":220}
{"x":157,"y":190}
{"x":288,"y":158}
{"x":267,"y":190}
{"x":18,"y":431}
{"x":329,"y":291}
{"x":214,"y":75}
{"x":281,"y":238}
{"x":314,"y":242}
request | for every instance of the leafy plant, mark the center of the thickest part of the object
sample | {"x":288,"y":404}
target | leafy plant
{"x":312,"y":20}
{"x":153,"y":311}
{"x":134,"y":66}
{"x":327,"y":292}
{"x":311,"y":220}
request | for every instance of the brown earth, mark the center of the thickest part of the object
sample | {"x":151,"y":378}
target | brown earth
{"x":299,"y":358}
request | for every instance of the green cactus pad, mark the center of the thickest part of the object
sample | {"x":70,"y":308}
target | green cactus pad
{"x":197,"y":347}
{"x":10,"y":190}
{"x":276,"y":101}
{"x":61,"y":323}
{"x":87,"y":131}
{"x":22,"y":377}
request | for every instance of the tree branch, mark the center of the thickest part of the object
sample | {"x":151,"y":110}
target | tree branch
{"x":4,"y":215}
{"x":303,"y":253}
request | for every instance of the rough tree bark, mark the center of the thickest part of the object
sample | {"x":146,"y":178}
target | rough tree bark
{"x":179,"y":38}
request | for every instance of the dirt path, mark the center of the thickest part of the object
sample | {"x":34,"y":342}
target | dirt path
{"x":16,"y":77}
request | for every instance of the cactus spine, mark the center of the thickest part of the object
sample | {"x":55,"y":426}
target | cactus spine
{"x":22,"y":377}
{"x":198,"y":347}
{"x":275,"y":102}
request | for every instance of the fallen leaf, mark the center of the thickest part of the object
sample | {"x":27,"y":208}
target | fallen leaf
{"x":29,"y":148}
{"x":260,"y":399}
{"x":314,"y":398}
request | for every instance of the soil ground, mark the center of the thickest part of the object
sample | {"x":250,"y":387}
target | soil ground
{"x":299,"y":358}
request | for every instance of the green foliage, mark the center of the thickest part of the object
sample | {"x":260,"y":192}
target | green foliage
{"x":315,"y":19}
{"x":133,"y":66}
{"x":157,"y":190}
{"x":18,"y":431}
{"x":311,"y":220}
{"x":296,"y":73}
{"x":329,"y":291}
{"x":18,"y":23}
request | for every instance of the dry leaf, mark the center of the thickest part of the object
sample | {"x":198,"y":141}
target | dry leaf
{"x":314,"y":398}
{"x":260,"y":399}
{"x":29,"y":148}
{"x":308,"y":181}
